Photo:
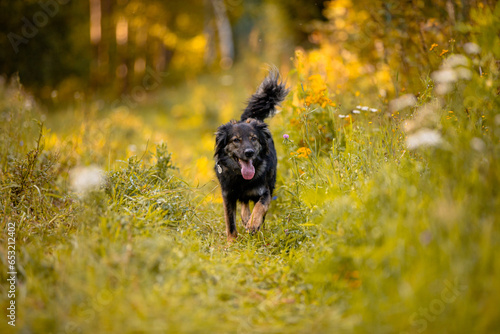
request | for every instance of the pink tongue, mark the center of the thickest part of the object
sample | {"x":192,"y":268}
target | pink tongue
{"x":247,"y":169}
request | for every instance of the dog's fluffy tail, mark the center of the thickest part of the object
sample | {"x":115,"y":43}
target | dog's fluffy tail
{"x":271,"y":92}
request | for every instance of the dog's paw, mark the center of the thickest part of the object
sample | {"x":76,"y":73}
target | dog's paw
{"x":253,"y":228}
{"x":231,"y":237}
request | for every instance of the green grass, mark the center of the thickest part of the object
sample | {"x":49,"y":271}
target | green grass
{"x":364,"y":235}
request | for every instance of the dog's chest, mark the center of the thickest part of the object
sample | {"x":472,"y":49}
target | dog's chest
{"x":253,"y":192}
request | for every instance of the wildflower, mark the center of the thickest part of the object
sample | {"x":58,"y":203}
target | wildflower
{"x":86,"y":179}
{"x":444,"y":76}
{"x":443,"y":53}
{"x":423,"y":137}
{"x":424,"y":117}
{"x":477,"y":144}
{"x":317,"y":83}
{"x":365,"y":108}
{"x":356,"y":111}
{"x":343,"y":116}
{"x":132,"y":148}
{"x":455,"y":60}
{"x":433,"y":46}
{"x":442,"y":88}
{"x":373,"y":109}
{"x":452,"y":69}
{"x":320,"y":99}
{"x":286,"y":136}
{"x":472,"y":48}
{"x":464,"y":73}
{"x":295,"y":122}
{"x":302,"y":152}
{"x":407,"y":100}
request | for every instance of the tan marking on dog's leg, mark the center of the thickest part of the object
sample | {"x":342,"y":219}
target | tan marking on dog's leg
{"x":245,"y":213}
{"x":230,"y":217}
{"x":259,"y":214}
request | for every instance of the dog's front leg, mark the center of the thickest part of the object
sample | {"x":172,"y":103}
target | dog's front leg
{"x":259,"y":212}
{"x":245,"y":213}
{"x":230,"y":216}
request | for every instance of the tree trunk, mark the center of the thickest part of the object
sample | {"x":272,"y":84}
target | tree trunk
{"x":226,"y":45}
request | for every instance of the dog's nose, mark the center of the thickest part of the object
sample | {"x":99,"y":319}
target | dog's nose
{"x":249,"y":153}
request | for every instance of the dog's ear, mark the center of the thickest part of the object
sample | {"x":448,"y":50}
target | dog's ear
{"x":221,"y":139}
{"x":263,"y":133}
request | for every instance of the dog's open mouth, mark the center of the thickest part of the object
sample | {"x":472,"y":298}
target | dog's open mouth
{"x":247,"y":169}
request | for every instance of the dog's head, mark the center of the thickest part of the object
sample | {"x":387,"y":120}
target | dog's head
{"x":243,"y":142}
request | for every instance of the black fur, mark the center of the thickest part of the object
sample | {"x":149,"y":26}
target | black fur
{"x":269,"y":94}
{"x":241,"y":146}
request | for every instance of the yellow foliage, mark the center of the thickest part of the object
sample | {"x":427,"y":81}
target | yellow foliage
{"x":302,"y":152}
{"x":204,"y":169}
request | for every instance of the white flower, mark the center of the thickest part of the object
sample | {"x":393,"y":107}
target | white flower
{"x":472,"y":48}
{"x":373,"y":109}
{"x":442,"y":88}
{"x":132,"y":148}
{"x":453,"y":68}
{"x":477,"y":144}
{"x":356,"y":111}
{"x":28,"y":104}
{"x":455,"y":60}
{"x":423,"y":137}
{"x":365,"y":108}
{"x":85,"y":179}
{"x":444,"y":76}
{"x":408,"y":100}
{"x":424,"y":117}
{"x":342,"y":116}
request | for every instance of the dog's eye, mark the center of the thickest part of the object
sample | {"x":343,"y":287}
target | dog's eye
{"x":236,"y":140}
{"x":253,"y":139}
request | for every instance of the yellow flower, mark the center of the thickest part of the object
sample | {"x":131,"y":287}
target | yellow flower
{"x":433,"y":46}
{"x":319,"y":99}
{"x":294,"y":122}
{"x":317,"y":83}
{"x":443,"y":53}
{"x":303,"y":152}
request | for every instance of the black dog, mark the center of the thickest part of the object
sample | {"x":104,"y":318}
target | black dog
{"x":245,"y":157}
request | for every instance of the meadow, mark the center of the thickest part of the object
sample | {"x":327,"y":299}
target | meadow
{"x":385,"y":218}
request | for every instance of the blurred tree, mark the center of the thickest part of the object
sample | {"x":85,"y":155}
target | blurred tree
{"x":62,"y":48}
{"x":38,"y":42}
{"x":225,"y":34}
